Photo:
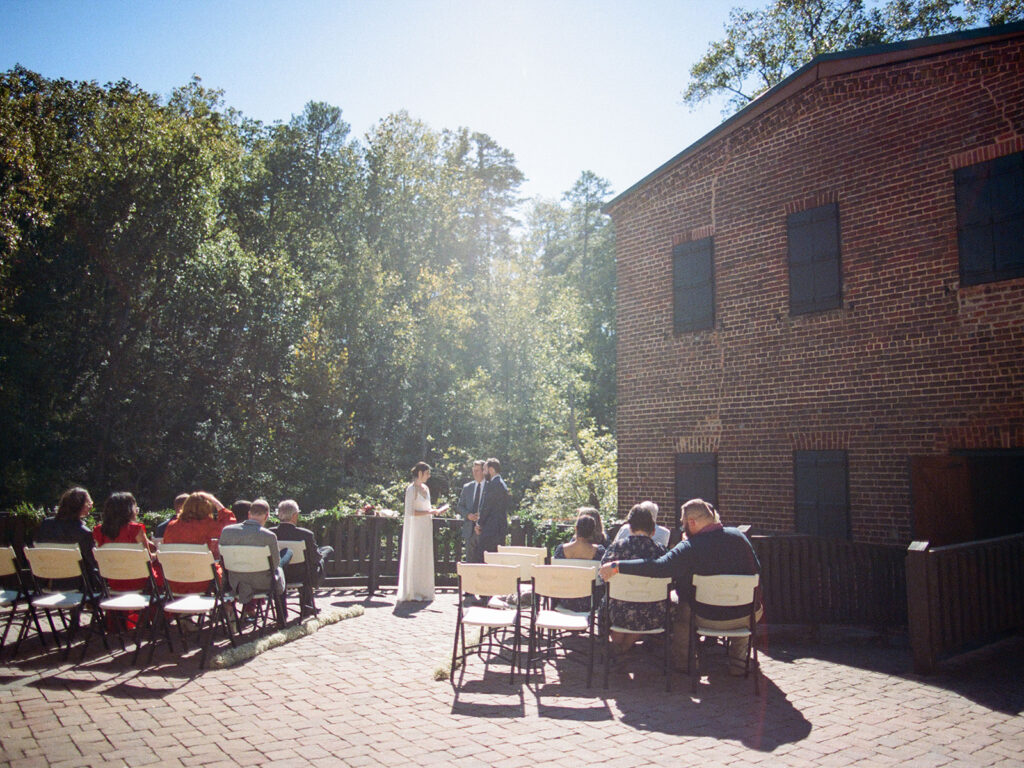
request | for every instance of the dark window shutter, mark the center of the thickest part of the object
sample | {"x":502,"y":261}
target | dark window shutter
{"x":696,"y":478}
{"x":822,"y":500}
{"x":693,"y":286}
{"x":815,"y":281}
{"x":990,"y":219}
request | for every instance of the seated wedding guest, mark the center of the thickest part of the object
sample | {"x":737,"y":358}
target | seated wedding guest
{"x":708,"y":548}
{"x":253,"y":533}
{"x":68,"y":527}
{"x":288,"y":530}
{"x":582,"y":546}
{"x":179,"y":502}
{"x":201,"y":521}
{"x":120,"y":525}
{"x":661,"y":534}
{"x":638,"y":545}
{"x":599,"y":536}
{"x":240,"y":509}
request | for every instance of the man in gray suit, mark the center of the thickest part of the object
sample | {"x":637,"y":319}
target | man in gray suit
{"x":492,"y":526}
{"x":253,"y":532}
{"x":468,"y":507}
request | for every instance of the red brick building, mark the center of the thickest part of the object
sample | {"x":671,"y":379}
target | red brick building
{"x":821,"y":302}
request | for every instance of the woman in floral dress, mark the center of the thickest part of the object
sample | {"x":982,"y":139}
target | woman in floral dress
{"x":638,"y":545}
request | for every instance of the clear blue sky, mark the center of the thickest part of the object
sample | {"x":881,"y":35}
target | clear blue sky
{"x":566,"y":85}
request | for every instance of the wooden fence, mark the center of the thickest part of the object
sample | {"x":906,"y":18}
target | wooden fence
{"x":806,"y":580}
{"x":812,"y":580}
{"x":963,"y":595}
{"x":367,"y":549}
{"x":952,"y":598}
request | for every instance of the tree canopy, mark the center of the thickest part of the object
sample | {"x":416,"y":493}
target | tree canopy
{"x":193,"y":299}
{"x":765,"y":45}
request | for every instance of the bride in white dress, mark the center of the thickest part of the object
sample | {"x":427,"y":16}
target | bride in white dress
{"x":416,"y":564}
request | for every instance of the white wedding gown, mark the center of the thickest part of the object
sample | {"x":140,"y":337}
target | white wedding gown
{"x":416,"y":564}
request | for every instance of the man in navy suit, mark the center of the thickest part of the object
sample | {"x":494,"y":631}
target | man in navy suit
{"x":468,"y":507}
{"x":492,"y":526}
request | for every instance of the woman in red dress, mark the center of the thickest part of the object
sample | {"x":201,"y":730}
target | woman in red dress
{"x":121,"y":525}
{"x":201,"y":520}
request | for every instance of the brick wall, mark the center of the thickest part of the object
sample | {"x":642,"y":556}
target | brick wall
{"x":911,"y":364}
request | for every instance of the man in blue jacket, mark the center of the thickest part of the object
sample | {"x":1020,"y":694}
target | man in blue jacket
{"x":708,"y":549}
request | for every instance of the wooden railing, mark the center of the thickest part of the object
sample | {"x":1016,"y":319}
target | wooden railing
{"x":812,"y":580}
{"x":367,"y":549}
{"x":962,"y":596}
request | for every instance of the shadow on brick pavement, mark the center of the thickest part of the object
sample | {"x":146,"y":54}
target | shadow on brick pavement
{"x":361,"y":692}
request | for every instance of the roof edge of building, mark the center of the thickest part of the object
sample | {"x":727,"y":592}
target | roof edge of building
{"x":824,"y":66}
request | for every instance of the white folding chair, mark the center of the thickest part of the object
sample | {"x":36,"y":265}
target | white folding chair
{"x":241,"y":563}
{"x":554,"y":582}
{"x":594,"y":565}
{"x":185,"y":567}
{"x":523,"y":561}
{"x":126,"y":563}
{"x":59,"y":564}
{"x":304,"y":587}
{"x":486,"y":580}
{"x":542,"y":551}
{"x":626,"y":588}
{"x":14,"y":594}
{"x":724,"y":590}
{"x":175,"y":547}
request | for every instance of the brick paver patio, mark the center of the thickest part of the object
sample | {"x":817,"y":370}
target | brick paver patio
{"x":361,"y":692}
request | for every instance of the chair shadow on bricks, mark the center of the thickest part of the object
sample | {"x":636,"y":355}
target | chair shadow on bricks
{"x":511,"y":704}
{"x":726,"y":710}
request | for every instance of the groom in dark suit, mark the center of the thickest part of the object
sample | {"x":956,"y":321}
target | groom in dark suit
{"x":494,"y":507}
{"x":469,"y":508}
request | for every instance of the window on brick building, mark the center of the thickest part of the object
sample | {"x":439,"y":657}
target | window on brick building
{"x":815,"y":281}
{"x":693,"y":286}
{"x":696,"y":478}
{"x":990,"y":219}
{"x":822,"y":499}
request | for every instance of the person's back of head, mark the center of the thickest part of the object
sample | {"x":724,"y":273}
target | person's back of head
{"x":240,"y":509}
{"x":641,"y":518}
{"x":71,"y":504}
{"x":586,"y":529}
{"x":495,"y":465}
{"x":594,"y":515}
{"x":179,"y":502}
{"x":259,"y":511}
{"x":199,"y":506}
{"x":118,"y":511}
{"x":698,"y":514}
{"x":288,"y":511}
{"x":698,"y":509}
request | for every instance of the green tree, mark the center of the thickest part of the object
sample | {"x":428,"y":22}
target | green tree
{"x":570,"y":479}
{"x":763,"y":46}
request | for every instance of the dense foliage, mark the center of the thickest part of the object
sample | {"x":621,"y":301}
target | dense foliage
{"x":763,"y":46}
{"x":193,"y":299}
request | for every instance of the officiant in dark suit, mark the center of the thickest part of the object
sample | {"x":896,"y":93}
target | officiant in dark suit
{"x":492,"y":526}
{"x":468,"y":508}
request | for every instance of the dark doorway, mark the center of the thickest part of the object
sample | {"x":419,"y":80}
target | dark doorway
{"x":997,"y":491}
{"x":967,"y":496}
